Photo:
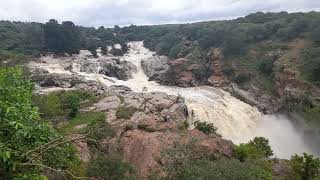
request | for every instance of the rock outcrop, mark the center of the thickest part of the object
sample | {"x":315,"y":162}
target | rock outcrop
{"x":112,"y":67}
{"x":180,"y":73}
{"x":155,"y":67}
{"x":157,"y":125}
{"x":217,"y":78}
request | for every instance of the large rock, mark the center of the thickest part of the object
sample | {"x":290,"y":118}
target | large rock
{"x":145,"y":149}
{"x":155,"y":67}
{"x":112,"y":67}
{"x":255,"y":97}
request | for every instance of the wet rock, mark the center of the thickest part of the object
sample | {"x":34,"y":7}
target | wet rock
{"x":111,"y":67}
{"x":255,"y":97}
{"x":155,"y":67}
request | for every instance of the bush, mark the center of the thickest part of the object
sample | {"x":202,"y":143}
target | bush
{"x":223,"y":168}
{"x":241,"y":78}
{"x":257,"y":148}
{"x":126,"y":112}
{"x":85,"y":118}
{"x":63,"y":103}
{"x":266,"y":66}
{"x":205,"y":127}
{"x":305,"y":167}
{"x":110,"y":168}
{"x":73,"y":103}
{"x":22,"y":132}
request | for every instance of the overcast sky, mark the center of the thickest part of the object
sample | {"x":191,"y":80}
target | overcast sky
{"x":125,"y":12}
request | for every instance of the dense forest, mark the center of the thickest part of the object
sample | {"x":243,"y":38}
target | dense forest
{"x":35,"y":144}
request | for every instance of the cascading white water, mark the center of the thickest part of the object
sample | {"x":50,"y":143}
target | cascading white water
{"x":235,"y":119}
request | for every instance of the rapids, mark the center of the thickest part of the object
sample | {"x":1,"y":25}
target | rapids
{"x":235,"y":120}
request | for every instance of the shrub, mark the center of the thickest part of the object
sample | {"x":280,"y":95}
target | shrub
{"x":85,"y":118}
{"x":125,"y":112}
{"x":205,"y":127}
{"x":246,"y":151}
{"x":242,"y":78}
{"x":110,"y":168}
{"x":145,"y":127}
{"x":305,"y":167}
{"x":22,"y":132}
{"x":222,"y":169}
{"x":62,"y":103}
{"x":266,"y":66}
{"x":186,"y":161}
{"x":257,"y":148}
{"x":73,"y":103}
{"x":262,"y":144}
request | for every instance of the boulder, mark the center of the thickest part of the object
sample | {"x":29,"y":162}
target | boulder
{"x":155,"y":66}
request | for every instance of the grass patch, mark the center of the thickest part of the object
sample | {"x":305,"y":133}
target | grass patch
{"x":126,"y":112}
{"x":81,"y":119}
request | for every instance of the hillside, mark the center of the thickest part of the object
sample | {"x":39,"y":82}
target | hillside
{"x":88,"y":103}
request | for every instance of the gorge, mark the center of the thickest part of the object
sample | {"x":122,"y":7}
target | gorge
{"x":235,"y":120}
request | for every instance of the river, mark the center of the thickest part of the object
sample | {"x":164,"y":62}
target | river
{"x":235,"y":120}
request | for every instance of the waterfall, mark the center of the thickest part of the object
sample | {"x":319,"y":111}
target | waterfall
{"x":235,"y":120}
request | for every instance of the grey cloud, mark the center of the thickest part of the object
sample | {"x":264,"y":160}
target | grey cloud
{"x":125,"y":12}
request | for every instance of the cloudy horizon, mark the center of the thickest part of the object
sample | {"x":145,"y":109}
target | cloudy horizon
{"x":143,"y":12}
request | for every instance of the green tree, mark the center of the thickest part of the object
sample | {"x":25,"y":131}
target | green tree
{"x":262,"y":144}
{"x":73,"y":103}
{"x":207,"y":128}
{"x":305,"y":167}
{"x":61,"y":38}
{"x":28,"y":145}
{"x":257,"y":148}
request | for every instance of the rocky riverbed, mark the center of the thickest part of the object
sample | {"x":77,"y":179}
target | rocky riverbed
{"x":235,"y":119}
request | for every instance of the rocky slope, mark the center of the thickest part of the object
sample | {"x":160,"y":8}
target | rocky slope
{"x":158,"y":123}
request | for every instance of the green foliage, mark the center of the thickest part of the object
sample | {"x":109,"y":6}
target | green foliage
{"x":220,"y":169}
{"x":63,"y":103}
{"x":64,"y":38}
{"x":85,"y":118}
{"x":146,"y":128}
{"x":311,"y":65}
{"x":73,"y":103}
{"x":257,"y":148}
{"x":305,"y":167}
{"x":234,"y":45}
{"x":207,"y":128}
{"x":266,"y":66}
{"x":125,"y":112}
{"x":187,"y":162}
{"x":110,"y":168}
{"x":262,"y":144}
{"x":22,"y":133}
{"x":241,"y":78}
{"x":99,"y":129}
